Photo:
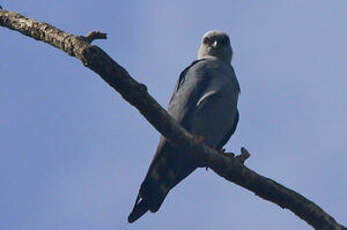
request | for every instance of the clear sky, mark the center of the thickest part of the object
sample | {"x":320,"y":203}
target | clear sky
{"x":74,"y":153}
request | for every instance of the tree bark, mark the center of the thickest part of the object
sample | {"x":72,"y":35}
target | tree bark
{"x":225,"y":165}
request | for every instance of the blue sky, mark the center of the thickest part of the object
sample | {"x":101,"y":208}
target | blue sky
{"x":74,"y":153}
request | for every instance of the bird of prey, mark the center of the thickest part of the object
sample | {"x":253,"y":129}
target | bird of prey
{"x":204,"y":102}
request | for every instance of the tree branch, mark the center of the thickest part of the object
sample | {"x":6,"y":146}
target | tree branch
{"x":225,"y":165}
{"x":94,"y":35}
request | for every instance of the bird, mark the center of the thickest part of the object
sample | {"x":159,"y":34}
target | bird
{"x":204,"y":102}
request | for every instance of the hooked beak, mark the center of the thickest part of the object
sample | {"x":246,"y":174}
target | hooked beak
{"x":214,"y":44}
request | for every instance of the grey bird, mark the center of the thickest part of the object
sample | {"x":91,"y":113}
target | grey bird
{"x":204,"y":102}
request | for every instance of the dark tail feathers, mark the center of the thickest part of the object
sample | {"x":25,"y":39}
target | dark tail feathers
{"x":140,"y":208}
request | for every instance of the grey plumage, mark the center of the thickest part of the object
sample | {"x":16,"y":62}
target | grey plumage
{"x":205,"y":103}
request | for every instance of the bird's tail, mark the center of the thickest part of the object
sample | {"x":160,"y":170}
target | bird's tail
{"x":140,"y":208}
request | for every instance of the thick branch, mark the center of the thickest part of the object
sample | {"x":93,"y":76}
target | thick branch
{"x":229,"y":167}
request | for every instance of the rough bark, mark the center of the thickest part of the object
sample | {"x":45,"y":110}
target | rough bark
{"x":225,"y":165}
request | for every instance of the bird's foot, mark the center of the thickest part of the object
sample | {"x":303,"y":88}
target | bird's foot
{"x":230,"y":154}
{"x":241,"y":157}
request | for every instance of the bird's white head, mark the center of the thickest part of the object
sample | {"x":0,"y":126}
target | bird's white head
{"x":216,"y":44}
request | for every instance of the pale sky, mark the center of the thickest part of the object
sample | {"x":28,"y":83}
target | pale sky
{"x":74,"y":153}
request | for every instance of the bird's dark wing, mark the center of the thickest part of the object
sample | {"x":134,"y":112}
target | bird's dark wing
{"x":169,"y":166}
{"x":229,"y":133}
{"x":233,"y":128}
{"x":189,"y":88}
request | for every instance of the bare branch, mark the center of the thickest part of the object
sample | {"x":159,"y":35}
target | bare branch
{"x":227,"y":166}
{"x":244,"y":155}
{"x":91,"y":36}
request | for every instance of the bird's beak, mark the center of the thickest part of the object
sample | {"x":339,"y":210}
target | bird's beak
{"x":215,"y":44}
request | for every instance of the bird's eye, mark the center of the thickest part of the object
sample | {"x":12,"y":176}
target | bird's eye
{"x":206,"y":41}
